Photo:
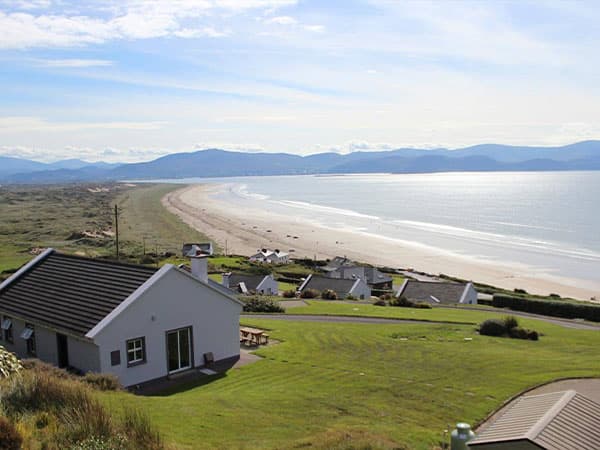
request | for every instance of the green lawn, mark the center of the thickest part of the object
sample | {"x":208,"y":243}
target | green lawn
{"x":400,"y":383}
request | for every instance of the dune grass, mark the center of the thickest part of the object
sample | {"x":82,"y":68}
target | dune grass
{"x":402,"y":383}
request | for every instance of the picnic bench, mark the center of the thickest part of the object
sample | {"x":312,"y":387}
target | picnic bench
{"x":253,"y":336}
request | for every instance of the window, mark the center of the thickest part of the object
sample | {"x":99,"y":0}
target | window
{"x":7,"y":328}
{"x":179,"y":349}
{"x":29,"y":335}
{"x":136,"y":351}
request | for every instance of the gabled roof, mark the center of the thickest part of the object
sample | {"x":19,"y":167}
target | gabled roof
{"x":251,"y":281}
{"x":555,"y":421}
{"x":425,"y":290}
{"x":70,"y":293}
{"x":340,"y":285}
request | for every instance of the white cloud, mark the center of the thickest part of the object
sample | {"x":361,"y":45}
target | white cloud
{"x":132,"y":19}
{"x":282,"y":20}
{"x":315,"y":28}
{"x":60,"y":63}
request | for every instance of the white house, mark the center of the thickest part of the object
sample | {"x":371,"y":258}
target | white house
{"x":438,"y":293}
{"x":271,"y":257}
{"x":140,"y":323}
{"x":201,"y":248}
{"x":246,"y":284}
{"x":357,"y":288}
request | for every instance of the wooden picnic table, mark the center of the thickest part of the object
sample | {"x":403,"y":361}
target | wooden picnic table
{"x":253,"y":336}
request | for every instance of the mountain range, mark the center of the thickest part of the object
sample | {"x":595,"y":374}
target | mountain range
{"x":221,"y":163}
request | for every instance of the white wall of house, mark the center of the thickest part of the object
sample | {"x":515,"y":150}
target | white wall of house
{"x":470,"y":295}
{"x":174,"y":301}
{"x":83,"y":355}
{"x":268,"y":286}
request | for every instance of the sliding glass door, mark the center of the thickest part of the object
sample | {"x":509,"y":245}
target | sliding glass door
{"x":179,"y":349}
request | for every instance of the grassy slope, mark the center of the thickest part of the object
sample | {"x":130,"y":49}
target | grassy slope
{"x":407,"y":390}
{"x":144,"y":217}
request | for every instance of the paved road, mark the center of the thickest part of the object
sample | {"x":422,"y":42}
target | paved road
{"x":382,"y":320}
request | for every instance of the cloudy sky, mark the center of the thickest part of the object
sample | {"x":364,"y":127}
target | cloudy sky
{"x":129,"y":80}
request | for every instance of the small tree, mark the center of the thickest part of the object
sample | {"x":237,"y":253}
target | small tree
{"x":309,"y":293}
{"x":329,"y":294}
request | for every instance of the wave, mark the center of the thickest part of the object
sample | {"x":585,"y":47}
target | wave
{"x":503,"y":239}
{"x":241,"y":190}
{"x":325,"y":209}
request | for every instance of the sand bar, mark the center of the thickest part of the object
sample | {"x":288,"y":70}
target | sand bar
{"x":243,"y":230}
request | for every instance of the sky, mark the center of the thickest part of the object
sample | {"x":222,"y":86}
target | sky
{"x":131,"y":80}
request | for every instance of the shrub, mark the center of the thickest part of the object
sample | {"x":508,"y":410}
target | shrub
{"x":518,"y":333}
{"x":349,"y":297}
{"x":289,"y":294}
{"x":329,"y":294}
{"x":10,"y":439}
{"x":520,"y":291}
{"x":510,"y":322}
{"x":533,"y":335}
{"x":401,"y":301}
{"x":386,"y":297}
{"x":261,"y":304}
{"x":309,"y":293}
{"x":9,"y":363}
{"x":102,"y":381}
{"x":492,"y":327}
{"x":552,"y":308}
{"x":380,"y":302}
{"x":554,"y":295}
{"x":34,"y":365}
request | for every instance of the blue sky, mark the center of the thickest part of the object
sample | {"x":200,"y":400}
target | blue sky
{"x":130,"y":80}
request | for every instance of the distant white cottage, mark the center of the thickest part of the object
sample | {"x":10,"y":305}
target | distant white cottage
{"x":140,"y":323}
{"x":271,"y":257}
{"x":249,"y":284}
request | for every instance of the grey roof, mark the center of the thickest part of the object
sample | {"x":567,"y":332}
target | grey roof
{"x":339,"y":285}
{"x":70,"y":293}
{"x":337,"y":262}
{"x":188,"y":247}
{"x":424,"y":290}
{"x":555,"y":421}
{"x":251,"y":281}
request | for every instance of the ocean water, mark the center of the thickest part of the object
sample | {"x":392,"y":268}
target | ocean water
{"x":548,"y":221}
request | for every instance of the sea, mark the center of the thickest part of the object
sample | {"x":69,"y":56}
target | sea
{"x":548,"y":221}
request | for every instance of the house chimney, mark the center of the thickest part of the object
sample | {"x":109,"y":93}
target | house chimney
{"x":226,"y":279}
{"x":199,"y":265}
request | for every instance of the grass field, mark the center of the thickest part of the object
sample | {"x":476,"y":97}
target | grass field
{"x":398,"y":384}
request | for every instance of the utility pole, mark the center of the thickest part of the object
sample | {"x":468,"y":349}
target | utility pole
{"x":117,"y":229}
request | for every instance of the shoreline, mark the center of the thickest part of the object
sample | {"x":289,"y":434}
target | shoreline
{"x":243,"y":231}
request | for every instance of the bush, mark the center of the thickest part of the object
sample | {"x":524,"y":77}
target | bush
{"x":386,"y":297}
{"x":552,"y":308}
{"x":492,"y":327}
{"x":102,"y":381}
{"x":380,"y":302}
{"x":401,"y":301}
{"x":510,"y":322}
{"x":309,"y":293}
{"x":520,"y":291}
{"x":532,"y":335}
{"x":350,"y":297}
{"x":518,"y":333}
{"x":10,"y":439}
{"x":289,"y":294}
{"x":9,"y":363}
{"x":262,"y":305}
{"x":329,"y":294}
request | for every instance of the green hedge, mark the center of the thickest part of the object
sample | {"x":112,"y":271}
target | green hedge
{"x":548,"y":307}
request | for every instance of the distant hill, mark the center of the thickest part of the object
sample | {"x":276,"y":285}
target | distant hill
{"x":222,"y":163}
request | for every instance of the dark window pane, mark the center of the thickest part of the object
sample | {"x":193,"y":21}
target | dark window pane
{"x":115,"y":358}
{"x":184,"y":347}
{"x":173,"y":351}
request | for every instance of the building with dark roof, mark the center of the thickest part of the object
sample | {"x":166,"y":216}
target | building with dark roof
{"x":139,"y":323}
{"x":251,"y":284}
{"x":342,"y":287}
{"x":371,"y":275}
{"x":438,"y":293}
{"x":193,"y":249}
{"x":555,"y":421}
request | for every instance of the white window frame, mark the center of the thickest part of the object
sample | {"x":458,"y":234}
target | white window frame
{"x":139,"y":346}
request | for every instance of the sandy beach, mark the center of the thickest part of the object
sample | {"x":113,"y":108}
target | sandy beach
{"x":242,"y":231}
